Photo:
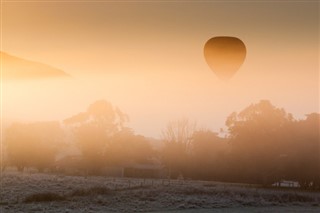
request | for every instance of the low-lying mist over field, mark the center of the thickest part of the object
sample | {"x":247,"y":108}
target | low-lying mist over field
{"x":262,"y":144}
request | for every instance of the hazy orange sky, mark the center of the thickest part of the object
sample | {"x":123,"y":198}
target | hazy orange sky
{"x":147,"y":58}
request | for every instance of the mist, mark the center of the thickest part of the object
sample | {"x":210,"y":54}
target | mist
{"x":129,"y":106}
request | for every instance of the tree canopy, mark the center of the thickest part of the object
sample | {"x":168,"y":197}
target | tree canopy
{"x":33,"y":144}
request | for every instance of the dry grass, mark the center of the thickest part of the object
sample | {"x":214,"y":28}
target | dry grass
{"x":28,"y":192}
{"x":96,"y":190}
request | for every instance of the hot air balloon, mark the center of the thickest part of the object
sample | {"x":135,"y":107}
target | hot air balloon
{"x":224,"y":55}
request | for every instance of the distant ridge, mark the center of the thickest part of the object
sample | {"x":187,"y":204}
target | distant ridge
{"x":15,"y":68}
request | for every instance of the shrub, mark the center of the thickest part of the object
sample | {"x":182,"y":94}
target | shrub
{"x":43,"y":197}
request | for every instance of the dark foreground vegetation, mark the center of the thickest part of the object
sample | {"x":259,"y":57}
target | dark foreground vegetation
{"x":262,"y":144}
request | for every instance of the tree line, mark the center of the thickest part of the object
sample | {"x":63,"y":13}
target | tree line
{"x":262,"y":144}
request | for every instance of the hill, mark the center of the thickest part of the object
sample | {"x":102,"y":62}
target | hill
{"x":15,"y":68}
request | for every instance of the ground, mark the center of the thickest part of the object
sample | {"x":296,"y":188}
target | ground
{"x":36,"y":192}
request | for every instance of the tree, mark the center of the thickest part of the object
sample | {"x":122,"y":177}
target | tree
{"x":3,"y":156}
{"x":177,"y":137}
{"x":257,"y":138}
{"x":126,"y":147}
{"x":34,"y":144}
{"x":304,"y":152}
{"x":208,"y":155}
{"x":93,"y":130}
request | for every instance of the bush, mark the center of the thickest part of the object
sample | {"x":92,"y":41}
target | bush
{"x":43,"y":197}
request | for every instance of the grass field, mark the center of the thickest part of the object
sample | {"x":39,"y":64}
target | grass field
{"x":37,"y":192}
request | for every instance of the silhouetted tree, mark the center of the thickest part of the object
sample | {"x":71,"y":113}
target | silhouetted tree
{"x":208,"y":155}
{"x":93,"y":131}
{"x":3,"y":157}
{"x":177,"y":137}
{"x":126,"y":147}
{"x":257,"y":138}
{"x":34,"y":144}
{"x":304,"y":152}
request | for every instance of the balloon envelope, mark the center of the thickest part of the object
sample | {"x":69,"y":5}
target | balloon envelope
{"x":224,"y":55}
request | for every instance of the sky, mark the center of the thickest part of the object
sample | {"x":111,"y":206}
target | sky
{"x":146,"y":57}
